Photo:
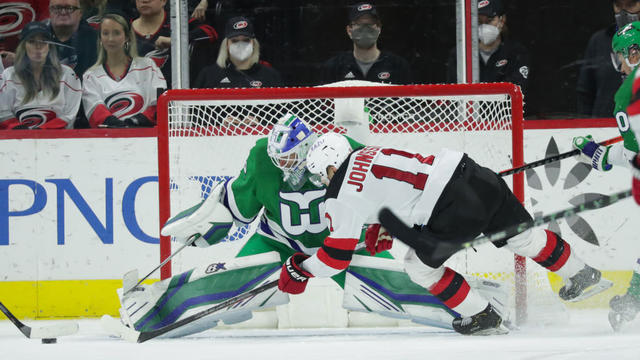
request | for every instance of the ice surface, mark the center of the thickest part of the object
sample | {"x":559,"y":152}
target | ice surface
{"x":586,"y":336}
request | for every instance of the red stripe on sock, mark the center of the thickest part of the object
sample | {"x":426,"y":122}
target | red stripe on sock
{"x":443,"y":283}
{"x":547,"y":250}
{"x":459,"y":296}
{"x":563,"y":258}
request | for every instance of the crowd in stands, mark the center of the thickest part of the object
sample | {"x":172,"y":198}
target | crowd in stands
{"x":109,"y":60}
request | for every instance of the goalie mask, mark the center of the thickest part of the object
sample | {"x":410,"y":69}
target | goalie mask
{"x":626,"y":42}
{"x":289,"y":142}
{"x":330,"y":149}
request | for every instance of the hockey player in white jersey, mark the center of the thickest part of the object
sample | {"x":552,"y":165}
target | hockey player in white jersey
{"x":121,"y":89}
{"x":37,"y":92}
{"x":449,"y":196}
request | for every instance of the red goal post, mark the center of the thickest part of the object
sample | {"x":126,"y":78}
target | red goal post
{"x":205,"y":134}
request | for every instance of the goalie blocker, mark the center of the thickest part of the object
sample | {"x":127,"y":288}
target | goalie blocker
{"x":209,"y":221}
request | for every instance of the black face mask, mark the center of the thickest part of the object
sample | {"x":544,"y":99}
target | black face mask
{"x":365,"y":36}
{"x":623,"y":18}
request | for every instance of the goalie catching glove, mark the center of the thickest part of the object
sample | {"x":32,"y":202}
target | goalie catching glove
{"x":592,"y":153}
{"x":377,"y":239}
{"x":293,"y":278}
{"x":209,"y":221}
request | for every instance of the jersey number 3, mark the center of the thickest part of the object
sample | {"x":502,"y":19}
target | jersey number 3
{"x":418,"y":180}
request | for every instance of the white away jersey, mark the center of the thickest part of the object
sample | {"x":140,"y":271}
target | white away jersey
{"x":374,"y":177}
{"x":104,"y":95}
{"x":42,"y":111}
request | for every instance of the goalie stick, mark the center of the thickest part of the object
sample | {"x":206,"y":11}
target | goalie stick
{"x":44,"y":332}
{"x":117,"y":327}
{"x":438,"y":249}
{"x":132,"y":276}
{"x":553,"y":158}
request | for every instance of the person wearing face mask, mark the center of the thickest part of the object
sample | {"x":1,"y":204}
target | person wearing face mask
{"x":501,"y":59}
{"x":366,"y":61}
{"x":238,"y":64}
{"x":599,"y":76}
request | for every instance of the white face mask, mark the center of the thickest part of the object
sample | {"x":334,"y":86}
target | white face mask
{"x":488,"y":33}
{"x":241,"y":50}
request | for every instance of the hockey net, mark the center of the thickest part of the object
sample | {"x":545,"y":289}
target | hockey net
{"x":205,"y":137}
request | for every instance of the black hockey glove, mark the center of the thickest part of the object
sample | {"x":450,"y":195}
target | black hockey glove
{"x":138,"y":120}
{"x":113,"y":122}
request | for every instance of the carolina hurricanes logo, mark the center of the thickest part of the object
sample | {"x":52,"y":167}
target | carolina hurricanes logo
{"x":365,"y":7}
{"x":160,"y":56}
{"x":34,"y":117}
{"x":240,"y":25}
{"x":124,"y":103}
{"x":502,"y":62}
{"x":384,"y":75}
{"x":483,"y":3}
{"x":13,"y":17}
{"x":256,"y":83}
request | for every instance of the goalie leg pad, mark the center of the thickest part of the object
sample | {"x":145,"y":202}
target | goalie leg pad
{"x":381,"y":286}
{"x":209,"y":220}
{"x":165,"y":302}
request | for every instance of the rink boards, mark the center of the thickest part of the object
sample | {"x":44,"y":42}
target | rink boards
{"x":78,"y":212}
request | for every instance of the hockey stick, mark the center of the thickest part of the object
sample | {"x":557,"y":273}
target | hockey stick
{"x":132,"y":275}
{"x":45,"y":332}
{"x":553,"y":158}
{"x":132,"y":335}
{"x":438,"y":249}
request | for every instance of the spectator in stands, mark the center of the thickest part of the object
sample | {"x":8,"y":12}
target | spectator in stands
{"x":121,"y":89}
{"x":199,"y":11}
{"x":93,"y":10}
{"x":153,"y":34}
{"x":366,"y":61}
{"x":76,"y":39}
{"x":15,"y":15}
{"x":599,"y":76}
{"x":501,"y":59}
{"x":37,"y":92}
{"x":238,"y":62}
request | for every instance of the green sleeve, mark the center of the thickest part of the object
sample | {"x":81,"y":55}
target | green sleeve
{"x":244,"y":202}
{"x":622,"y":100}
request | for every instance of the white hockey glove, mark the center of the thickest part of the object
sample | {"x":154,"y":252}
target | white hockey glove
{"x":209,"y":221}
{"x":592,"y":153}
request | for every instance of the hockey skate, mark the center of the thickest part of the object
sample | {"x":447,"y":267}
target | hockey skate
{"x":586,"y":283}
{"x":623,"y":310}
{"x":486,"y":322}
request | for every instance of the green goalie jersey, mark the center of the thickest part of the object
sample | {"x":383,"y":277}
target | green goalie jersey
{"x":622,"y":100}
{"x":292,"y":217}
